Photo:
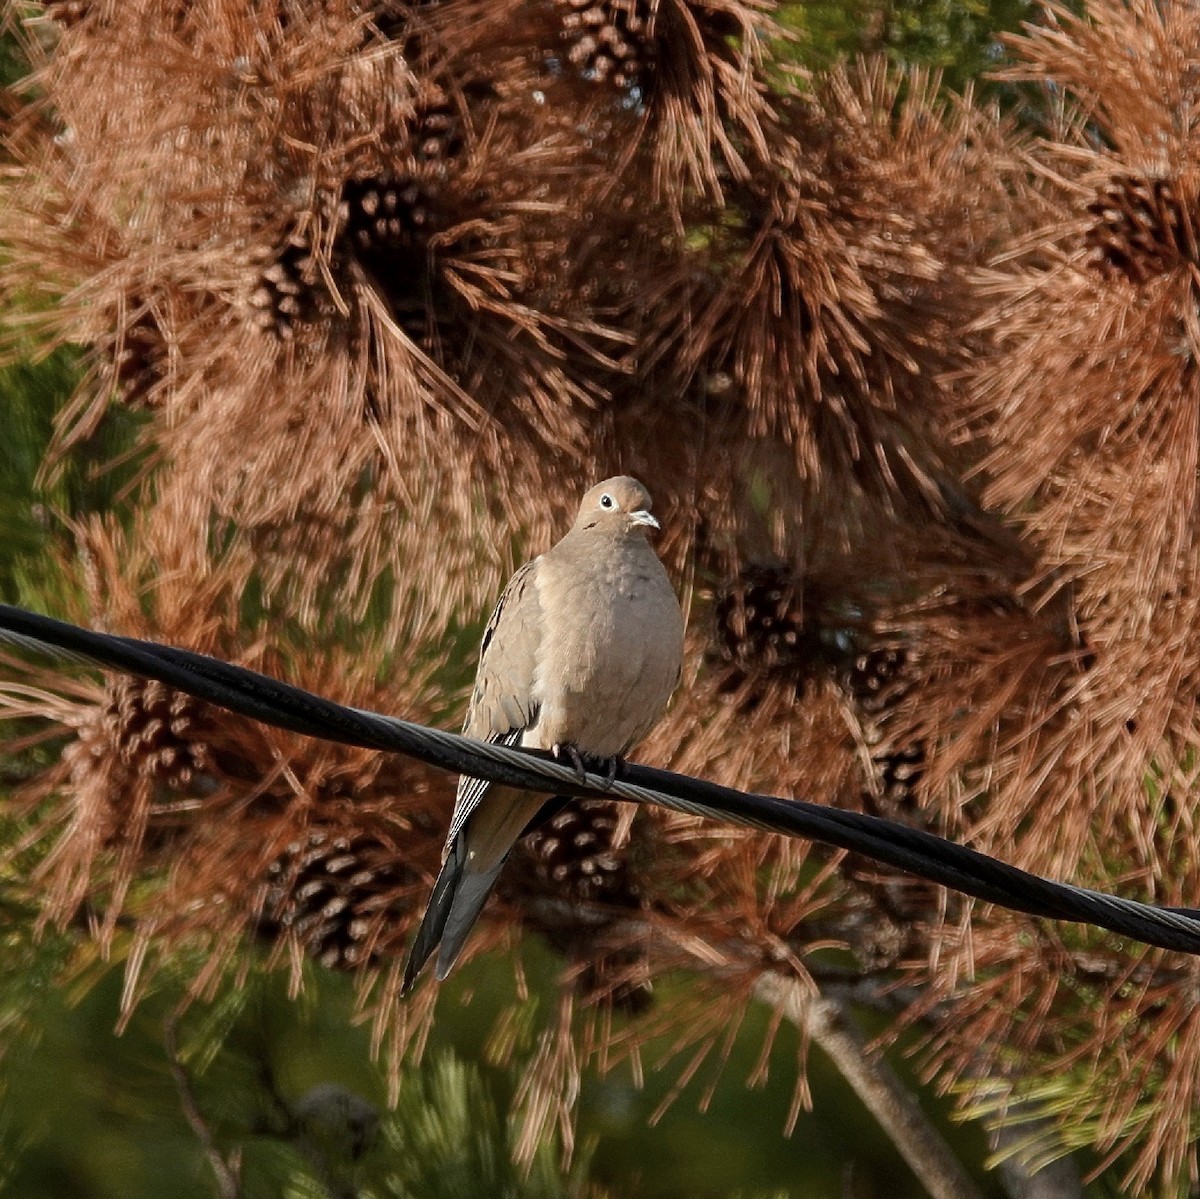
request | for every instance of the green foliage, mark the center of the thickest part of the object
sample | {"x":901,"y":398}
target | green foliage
{"x":36,"y":503}
{"x":278,"y":1084}
{"x":958,"y":37}
{"x":449,"y":1140}
{"x":12,"y":62}
{"x":288,"y":1086}
{"x":1045,"y":1119}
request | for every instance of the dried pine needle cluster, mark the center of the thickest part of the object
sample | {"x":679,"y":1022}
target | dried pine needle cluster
{"x":916,"y":395}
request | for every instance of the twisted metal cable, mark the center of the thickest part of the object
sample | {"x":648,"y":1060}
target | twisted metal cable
{"x":930,"y":857}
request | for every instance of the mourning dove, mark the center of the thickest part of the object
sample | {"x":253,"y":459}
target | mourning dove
{"x":579,"y":657}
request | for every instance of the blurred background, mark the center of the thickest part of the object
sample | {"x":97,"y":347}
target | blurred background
{"x":318,"y":319}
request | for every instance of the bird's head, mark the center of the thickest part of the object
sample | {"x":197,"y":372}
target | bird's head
{"x":619,"y":506}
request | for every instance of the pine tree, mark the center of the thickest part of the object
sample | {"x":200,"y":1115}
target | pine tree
{"x":375,"y":284}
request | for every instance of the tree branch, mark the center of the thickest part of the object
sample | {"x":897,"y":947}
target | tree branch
{"x":828,"y":1022}
{"x":225,"y":1173}
{"x":892,"y":1104}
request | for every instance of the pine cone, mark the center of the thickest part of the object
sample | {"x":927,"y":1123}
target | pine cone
{"x":157,"y":732}
{"x":760,"y":620}
{"x":572,"y":857}
{"x":132,"y":757}
{"x":874,"y":677}
{"x":287,"y":290}
{"x":391,"y":212}
{"x":139,"y":361}
{"x":774,"y":624}
{"x":900,"y":773}
{"x":876,"y":681}
{"x":438,"y":129}
{"x":332,"y":890}
{"x":1142,"y":228}
{"x":437,"y":132}
{"x":609,"y":41}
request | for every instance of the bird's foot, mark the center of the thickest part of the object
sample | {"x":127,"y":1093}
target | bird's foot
{"x":612,"y":767}
{"x":582,"y":762}
{"x":564,"y":749}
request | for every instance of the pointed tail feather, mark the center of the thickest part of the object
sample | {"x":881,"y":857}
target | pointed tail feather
{"x":458,"y":898}
{"x":433,"y":923}
{"x":469,"y":897}
{"x":475,"y":885}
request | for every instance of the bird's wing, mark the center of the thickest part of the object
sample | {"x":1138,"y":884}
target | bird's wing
{"x":502,"y":704}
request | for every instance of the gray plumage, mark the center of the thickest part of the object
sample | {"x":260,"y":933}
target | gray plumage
{"x":581,"y":653}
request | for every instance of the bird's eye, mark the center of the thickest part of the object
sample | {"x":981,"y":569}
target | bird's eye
{"x":606,"y":501}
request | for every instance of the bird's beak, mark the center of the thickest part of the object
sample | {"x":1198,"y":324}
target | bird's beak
{"x":642,"y":517}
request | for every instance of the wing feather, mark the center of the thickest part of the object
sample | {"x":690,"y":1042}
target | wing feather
{"x":502,"y":703}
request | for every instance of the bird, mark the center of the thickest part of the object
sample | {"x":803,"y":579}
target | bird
{"x":580,"y":657}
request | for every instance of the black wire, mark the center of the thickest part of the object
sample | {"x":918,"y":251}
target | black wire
{"x":915,"y":851}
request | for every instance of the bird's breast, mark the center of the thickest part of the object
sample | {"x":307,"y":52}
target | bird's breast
{"x":611,"y":655}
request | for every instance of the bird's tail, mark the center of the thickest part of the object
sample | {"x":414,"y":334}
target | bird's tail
{"x":458,"y":898}
{"x":461,"y":891}
{"x":469,"y":897}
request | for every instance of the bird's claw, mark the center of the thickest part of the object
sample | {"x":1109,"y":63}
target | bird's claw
{"x":607,"y":766}
{"x":564,"y":749}
{"x":612,"y":766}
